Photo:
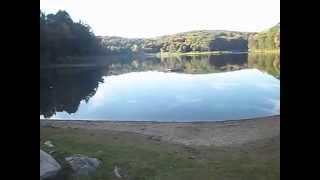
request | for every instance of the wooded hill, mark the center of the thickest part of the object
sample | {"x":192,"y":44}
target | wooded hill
{"x":193,"y":41}
{"x":197,"y":41}
{"x":266,"y":40}
{"x":60,"y":36}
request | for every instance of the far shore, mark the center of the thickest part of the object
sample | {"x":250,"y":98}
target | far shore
{"x":98,"y":61}
{"x":265,"y":51}
{"x":168,"y":54}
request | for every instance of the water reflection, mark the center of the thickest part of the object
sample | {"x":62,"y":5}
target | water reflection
{"x":64,"y":89}
{"x":74,"y":93}
{"x":184,"y":64}
{"x":269,"y":63}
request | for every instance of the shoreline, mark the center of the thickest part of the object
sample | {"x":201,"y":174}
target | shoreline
{"x":168,"y":54}
{"x":277,"y":51}
{"x":217,"y":133}
{"x":159,"y":122}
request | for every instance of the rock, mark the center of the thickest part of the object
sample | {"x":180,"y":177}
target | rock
{"x":116,"y":172}
{"x":155,"y":138}
{"x":48,"y":143}
{"x":49,"y":167}
{"x":51,"y":152}
{"x":191,"y":157}
{"x":83,"y":165}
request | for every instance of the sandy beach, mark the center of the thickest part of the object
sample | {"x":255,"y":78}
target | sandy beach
{"x":221,"y":133}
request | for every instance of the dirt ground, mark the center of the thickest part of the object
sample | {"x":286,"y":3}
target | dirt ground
{"x":222,"y":133}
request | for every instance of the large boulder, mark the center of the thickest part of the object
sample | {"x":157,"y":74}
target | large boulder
{"x":83,"y":165}
{"x":49,"y":167}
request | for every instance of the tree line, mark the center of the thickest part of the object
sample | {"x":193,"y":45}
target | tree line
{"x":267,"y":40}
{"x":60,"y":36}
{"x":194,"y":41}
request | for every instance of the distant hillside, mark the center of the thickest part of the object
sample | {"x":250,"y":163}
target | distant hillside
{"x":192,"y":41}
{"x":266,"y":40}
{"x":114,"y":44}
{"x":197,"y":41}
{"x":205,"y":40}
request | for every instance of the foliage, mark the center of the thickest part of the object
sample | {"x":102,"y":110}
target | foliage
{"x":194,"y":41}
{"x":201,"y":41}
{"x":114,"y":44}
{"x":61,"y":37}
{"x":267,"y":40}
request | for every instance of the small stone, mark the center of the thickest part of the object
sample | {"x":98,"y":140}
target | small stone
{"x":156,"y":138}
{"x":83,"y":165}
{"x":116,"y":172}
{"x":191,"y":157}
{"x":48,"y":143}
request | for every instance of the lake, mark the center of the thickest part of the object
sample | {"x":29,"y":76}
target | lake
{"x":177,"y":88}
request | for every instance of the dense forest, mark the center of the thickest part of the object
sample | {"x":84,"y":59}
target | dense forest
{"x":197,"y":41}
{"x":193,"y":41}
{"x":266,"y":40}
{"x":61,"y":37}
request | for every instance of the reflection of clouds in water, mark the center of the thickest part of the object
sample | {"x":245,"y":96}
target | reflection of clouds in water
{"x":132,"y":101}
{"x":268,"y":85}
{"x":222,"y":86}
{"x":102,"y":96}
{"x":42,"y":117}
{"x":276,"y":105}
{"x":185,"y":99}
{"x":203,"y":93}
{"x":180,"y":100}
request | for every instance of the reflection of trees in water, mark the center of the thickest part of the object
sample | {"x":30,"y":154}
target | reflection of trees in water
{"x":267,"y":62}
{"x":206,"y":63}
{"x":185,"y":64}
{"x":64,"y":89}
{"x":188,"y":64}
{"x":134,"y":65}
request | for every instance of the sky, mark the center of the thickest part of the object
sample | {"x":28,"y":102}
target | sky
{"x":151,"y":18}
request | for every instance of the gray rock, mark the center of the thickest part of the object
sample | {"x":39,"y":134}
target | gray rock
{"x":49,"y":167}
{"x":83,"y":165}
{"x":116,"y":172}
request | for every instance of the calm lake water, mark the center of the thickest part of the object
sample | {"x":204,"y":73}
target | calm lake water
{"x":198,"y":88}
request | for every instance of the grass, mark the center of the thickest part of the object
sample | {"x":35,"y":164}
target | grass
{"x":143,"y":158}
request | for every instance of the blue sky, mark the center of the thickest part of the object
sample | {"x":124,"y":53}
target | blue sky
{"x":150,"y":18}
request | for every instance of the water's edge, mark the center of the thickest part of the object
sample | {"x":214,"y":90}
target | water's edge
{"x":160,"y":122}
